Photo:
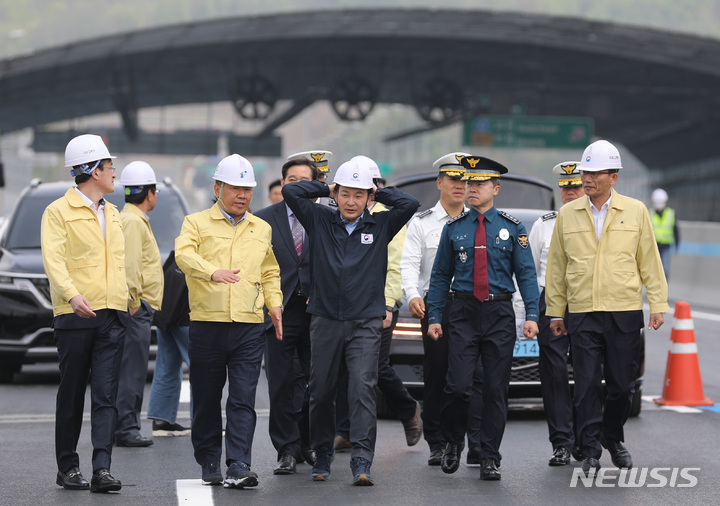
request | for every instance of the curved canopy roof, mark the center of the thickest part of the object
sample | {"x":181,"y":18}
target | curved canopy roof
{"x":653,"y":91}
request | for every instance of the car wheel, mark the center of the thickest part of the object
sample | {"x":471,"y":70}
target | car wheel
{"x":636,"y":406}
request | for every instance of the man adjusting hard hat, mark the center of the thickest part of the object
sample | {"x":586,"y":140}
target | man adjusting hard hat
{"x":601,"y":254}
{"x":347,"y":304}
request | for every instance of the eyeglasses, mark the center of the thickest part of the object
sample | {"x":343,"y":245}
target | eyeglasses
{"x":593,"y":175}
{"x":112,"y":168}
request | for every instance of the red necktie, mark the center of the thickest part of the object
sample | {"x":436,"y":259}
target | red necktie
{"x":481,"y":290}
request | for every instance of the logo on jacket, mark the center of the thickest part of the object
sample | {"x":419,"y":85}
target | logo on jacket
{"x":366,"y":239}
{"x":523,"y":240}
{"x":462,"y":256}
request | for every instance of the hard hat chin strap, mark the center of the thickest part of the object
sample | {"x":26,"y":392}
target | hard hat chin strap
{"x":220,"y":200}
{"x":85,"y":169}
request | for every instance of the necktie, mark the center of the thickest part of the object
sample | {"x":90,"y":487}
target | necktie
{"x":481,"y":290}
{"x":297,"y":235}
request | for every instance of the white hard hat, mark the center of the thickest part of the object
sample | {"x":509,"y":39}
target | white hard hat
{"x":368,"y":163}
{"x":353,"y":175}
{"x":600,"y":155}
{"x":137,"y":174}
{"x":659,"y":196}
{"x":235,"y":170}
{"x":84,"y":149}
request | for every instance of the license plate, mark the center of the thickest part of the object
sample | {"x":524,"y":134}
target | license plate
{"x":527,"y":348}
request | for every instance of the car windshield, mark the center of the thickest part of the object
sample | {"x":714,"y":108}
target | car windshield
{"x":166,"y":220}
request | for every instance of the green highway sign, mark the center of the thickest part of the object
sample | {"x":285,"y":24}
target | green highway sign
{"x":528,"y":132}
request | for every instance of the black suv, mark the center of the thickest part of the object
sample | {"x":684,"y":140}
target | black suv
{"x":26,"y":335}
{"x":527,"y":198}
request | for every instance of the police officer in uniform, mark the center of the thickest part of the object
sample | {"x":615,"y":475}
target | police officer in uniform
{"x":83,"y":253}
{"x":557,"y":399}
{"x":231,"y":271}
{"x":418,"y":255}
{"x":478,"y":254}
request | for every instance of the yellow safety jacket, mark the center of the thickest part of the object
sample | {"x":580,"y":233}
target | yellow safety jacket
{"x":78,"y":260}
{"x":608,"y":275}
{"x":143,"y":265}
{"x":393,"y":288}
{"x":664,"y":226}
{"x":208,"y":242}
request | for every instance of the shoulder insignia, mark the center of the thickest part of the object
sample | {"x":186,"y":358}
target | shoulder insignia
{"x":510,"y":217}
{"x":456,"y":218}
{"x":549,"y":216}
{"x":426,"y":212}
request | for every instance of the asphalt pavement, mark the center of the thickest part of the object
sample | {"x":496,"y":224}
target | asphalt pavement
{"x":674,"y":448}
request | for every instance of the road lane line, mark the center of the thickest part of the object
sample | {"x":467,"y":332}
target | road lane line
{"x":193,"y":492}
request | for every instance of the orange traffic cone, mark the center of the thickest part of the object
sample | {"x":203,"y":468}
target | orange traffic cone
{"x":683,"y":385}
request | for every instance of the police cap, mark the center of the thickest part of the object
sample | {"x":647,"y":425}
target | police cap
{"x":569,"y":173}
{"x":320,"y":157}
{"x":479,"y":168}
{"x":450,"y":165}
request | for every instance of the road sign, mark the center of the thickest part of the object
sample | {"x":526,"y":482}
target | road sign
{"x":528,"y":132}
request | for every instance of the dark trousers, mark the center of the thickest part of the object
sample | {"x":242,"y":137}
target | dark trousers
{"x":435,"y":367}
{"x":88,"y":349}
{"x":357,"y":344}
{"x":478,"y":331}
{"x":133,"y":371}
{"x":555,"y":386}
{"x":399,"y":400}
{"x":609,"y":344}
{"x":280,"y":357}
{"x":220,"y":351}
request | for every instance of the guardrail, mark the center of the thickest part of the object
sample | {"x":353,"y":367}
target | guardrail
{"x":695,"y":267}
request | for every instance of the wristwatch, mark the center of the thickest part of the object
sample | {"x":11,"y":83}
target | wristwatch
{"x":390,"y":308}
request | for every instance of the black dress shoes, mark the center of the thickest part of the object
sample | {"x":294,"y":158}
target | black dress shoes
{"x":451,"y":458}
{"x":135,"y":442}
{"x":618,"y":454}
{"x":72,"y":480}
{"x":577,"y":453}
{"x":286,"y":464}
{"x":435,"y":457}
{"x":560,"y":457}
{"x":489,"y":470}
{"x":590,"y":463}
{"x":473,"y":456}
{"x":103,"y":481}
{"x":308,"y":455}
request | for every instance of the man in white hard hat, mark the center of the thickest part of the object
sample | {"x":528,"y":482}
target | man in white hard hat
{"x":601,"y":254}
{"x":144,"y":272}
{"x":83,"y":253}
{"x":289,"y":402}
{"x":557,"y":398}
{"x":418,"y":255}
{"x":667,"y":233}
{"x":347,"y":304}
{"x":231,"y":271}
{"x":397,"y":397}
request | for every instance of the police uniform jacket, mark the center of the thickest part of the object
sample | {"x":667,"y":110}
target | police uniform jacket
{"x":421,"y":243}
{"x":78,"y":259}
{"x":143,"y":266}
{"x":393,"y":290}
{"x":508,"y":253}
{"x":353,"y":266}
{"x":586,"y":275}
{"x":208,"y":242}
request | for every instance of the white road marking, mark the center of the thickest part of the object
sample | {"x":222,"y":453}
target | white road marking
{"x":193,"y":492}
{"x":677,"y":409}
{"x":185,"y":392}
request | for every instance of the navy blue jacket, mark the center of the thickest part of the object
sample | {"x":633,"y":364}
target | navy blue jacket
{"x":348,"y":270}
{"x":293,"y":270}
{"x":508,"y":253}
